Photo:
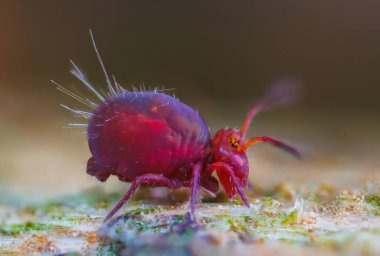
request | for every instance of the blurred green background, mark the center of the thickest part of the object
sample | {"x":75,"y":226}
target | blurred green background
{"x":218,"y":55}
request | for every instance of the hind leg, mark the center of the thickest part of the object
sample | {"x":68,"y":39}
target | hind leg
{"x":147,"y":179}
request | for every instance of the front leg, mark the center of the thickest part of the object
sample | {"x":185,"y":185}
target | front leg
{"x":234,"y":186}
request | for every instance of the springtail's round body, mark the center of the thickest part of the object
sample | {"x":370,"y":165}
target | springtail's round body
{"x":151,"y":138}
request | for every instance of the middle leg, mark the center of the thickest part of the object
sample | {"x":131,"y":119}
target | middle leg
{"x":194,"y":185}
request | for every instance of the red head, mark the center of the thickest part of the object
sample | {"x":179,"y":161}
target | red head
{"x":227,"y":149}
{"x":229,"y":145}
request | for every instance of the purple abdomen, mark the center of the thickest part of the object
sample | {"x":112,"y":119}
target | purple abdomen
{"x":146,"y":132}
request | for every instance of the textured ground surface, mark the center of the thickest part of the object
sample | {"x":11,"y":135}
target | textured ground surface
{"x":327,"y":204}
{"x":313,"y":220}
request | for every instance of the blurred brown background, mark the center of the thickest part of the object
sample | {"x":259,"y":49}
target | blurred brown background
{"x":218,"y":55}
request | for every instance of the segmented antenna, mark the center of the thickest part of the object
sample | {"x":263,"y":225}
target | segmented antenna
{"x":280,"y":93}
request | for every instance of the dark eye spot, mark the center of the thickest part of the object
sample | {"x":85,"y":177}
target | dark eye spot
{"x":233,"y":142}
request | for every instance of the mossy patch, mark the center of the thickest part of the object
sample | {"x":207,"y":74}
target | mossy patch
{"x":372,"y":200}
{"x":15,"y":229}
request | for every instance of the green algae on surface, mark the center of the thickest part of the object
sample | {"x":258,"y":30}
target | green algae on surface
{"x":168,"y":235}
{"x":15,"y":229}
{"x":373,"y":200}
